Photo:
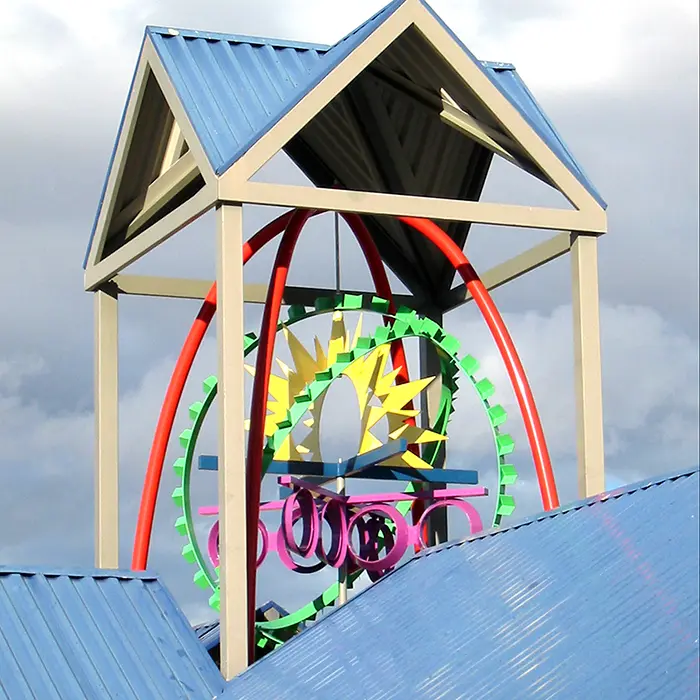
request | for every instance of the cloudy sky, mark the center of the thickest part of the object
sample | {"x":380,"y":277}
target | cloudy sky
{"x":620,"y":81}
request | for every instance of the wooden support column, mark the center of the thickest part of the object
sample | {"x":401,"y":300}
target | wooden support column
{"x":232,"y":479}
{"x":106,"y":428}
{"x":587,"y":366}
{"x":429,"y":405}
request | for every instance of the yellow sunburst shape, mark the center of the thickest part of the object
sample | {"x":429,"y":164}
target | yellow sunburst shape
{"x":369,"y":377}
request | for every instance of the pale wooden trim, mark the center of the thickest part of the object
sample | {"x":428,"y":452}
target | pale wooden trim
{"x":179,"y":113}
{"x":151,"y":237}
{"x":159,"y":193}
{"x":114,"y":177}
{"x":232,"y":476}
{"x":106,"y":430}
{"x":474,"y":129}
{"x":296,"y":196}
{"x":148,"y":62}
{"x":168,"y":287}
{"x":502,"y":110}
{"x":177,"y":288}
{"x":173,"y":148}
{"x":517,"y":266}
{"x":587,"y":366}
{"x":315,"y":100}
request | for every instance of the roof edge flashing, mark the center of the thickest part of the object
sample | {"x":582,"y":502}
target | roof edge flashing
{"x":237,"y":38}
{"x":612,"y":494}
{"x":77,"y":572}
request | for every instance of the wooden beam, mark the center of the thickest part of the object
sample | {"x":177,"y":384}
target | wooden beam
{"x":173,"y":149}
{"x":473,"y":129}
{"x":587,"y":366}
{"x":232,"y":477}
{"x":106,"y":429}
{"x":509,"y":117}
{"x":149,"y":238}
{"x":511,"y":269}
{"x":404,"y":205}
{"x":126,"y":135}
{"x":177,"y":288}
{"x":445,"y":107}
{"x":159,"y":193}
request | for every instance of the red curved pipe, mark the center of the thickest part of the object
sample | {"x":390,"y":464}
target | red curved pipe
{"x":164,"y":427}
{"x":514,"y":367}
{"x":258,"y":408}
{"x":166,"y":419}
{"x":398,"y":356}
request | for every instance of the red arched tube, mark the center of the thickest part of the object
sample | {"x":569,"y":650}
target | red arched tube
{"x":398,"y":355}
{"x":256,"y":435}
{"x":154,"y":470}
{"x":258,"y":408}
{"x":514,"y":367}
{"x":164,"y":427}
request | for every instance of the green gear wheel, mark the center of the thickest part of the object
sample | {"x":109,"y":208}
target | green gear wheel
{"x":406,"y":324}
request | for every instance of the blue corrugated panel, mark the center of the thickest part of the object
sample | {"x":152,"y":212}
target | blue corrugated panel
{"x":77,"y":634}
{"x":234,"y":89}
{"x":597,"y":600}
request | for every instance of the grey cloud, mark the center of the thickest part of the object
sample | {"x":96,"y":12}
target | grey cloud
{"x":638,"y":141}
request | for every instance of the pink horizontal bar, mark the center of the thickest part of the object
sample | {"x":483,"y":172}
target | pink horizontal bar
{"x":418,"y":495}
{"x":364,"y":499}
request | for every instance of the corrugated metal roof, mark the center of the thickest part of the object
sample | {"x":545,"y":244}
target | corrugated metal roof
{"x":235,"y":88}
{"x":100,"y":634}
{"x":596,"y":600}
{"x":234,"y":91}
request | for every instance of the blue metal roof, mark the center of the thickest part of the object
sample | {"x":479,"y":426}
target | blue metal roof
{"x":234,"y":88}
{"x":596,"y":600}
{"x":97,"y":634}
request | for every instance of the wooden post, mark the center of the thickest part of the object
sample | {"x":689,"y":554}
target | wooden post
{"x":106,"y":389}
{"x":232,"y":478}
{"x":587,"y":366}
{"x":429,"y":404}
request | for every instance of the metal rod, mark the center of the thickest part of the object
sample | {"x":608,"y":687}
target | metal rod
{"x":337,"y":251}
{"x":342,"y":569}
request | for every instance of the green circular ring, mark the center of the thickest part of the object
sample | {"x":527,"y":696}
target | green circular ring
{"x":405,"y":324}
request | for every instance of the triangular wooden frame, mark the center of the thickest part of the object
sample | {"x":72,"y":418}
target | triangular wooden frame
{"x":236,"y":184}
{"x":172,"y":176}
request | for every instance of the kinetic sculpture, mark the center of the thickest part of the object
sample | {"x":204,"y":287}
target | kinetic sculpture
{"x":297,"y":398}
{"x":281,"y":404}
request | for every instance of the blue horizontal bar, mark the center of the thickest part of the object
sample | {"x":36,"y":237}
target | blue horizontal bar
{"x":364,"y":466}
{"x":431,"y":476}
{"x":329,"y":470}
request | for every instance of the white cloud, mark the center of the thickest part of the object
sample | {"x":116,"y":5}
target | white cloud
{"x":650,"y":376}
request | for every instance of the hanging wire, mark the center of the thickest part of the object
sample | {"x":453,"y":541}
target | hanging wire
{"x":337,"y":251}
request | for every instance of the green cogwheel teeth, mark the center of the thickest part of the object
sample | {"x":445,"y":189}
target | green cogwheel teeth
{"x":179,"y":466}
{"x":185,"y":437}
{"x":406,"y":323}
{"x":296,"y":311}
{"x":181,"y":525}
